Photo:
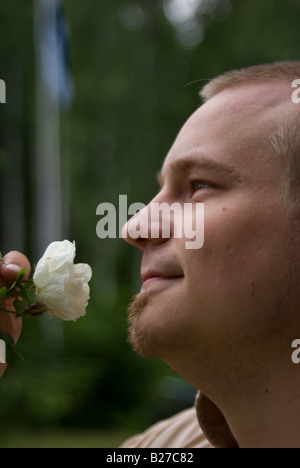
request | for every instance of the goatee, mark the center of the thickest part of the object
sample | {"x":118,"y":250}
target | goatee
{"x":137,"y":337}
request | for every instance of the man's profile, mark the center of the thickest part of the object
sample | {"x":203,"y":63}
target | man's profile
{"x":224,"y":316}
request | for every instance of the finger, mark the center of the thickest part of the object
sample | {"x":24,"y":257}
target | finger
{"x":13,"y":262}
{"x":11,"y":324}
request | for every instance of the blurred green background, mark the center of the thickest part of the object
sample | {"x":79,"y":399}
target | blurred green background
{"x":137,"y":67}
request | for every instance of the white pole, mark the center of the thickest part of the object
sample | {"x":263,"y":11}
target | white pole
{"x":48,"y":210}
{"x":47,"y":169}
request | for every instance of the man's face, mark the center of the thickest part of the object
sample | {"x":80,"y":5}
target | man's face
{"x":233,"y":293}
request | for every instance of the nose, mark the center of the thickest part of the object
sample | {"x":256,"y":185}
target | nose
{"x":150,"y":225}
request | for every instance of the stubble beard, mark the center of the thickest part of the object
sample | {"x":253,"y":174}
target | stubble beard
{"x":137,"y":335}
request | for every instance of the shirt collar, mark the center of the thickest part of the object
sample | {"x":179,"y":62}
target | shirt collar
{"x":214,"y":424}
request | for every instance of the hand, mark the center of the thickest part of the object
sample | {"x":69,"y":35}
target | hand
{"x":13,"y":262}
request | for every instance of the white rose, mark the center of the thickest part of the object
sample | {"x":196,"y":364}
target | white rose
{"x":61,"y":285}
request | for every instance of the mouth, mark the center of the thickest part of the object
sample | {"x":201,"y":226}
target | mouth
{"x":158,"y":279}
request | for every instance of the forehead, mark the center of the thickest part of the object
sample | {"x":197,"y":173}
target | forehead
{"x":234,"y":127}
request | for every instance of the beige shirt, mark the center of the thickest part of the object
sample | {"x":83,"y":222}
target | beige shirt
{"x":201,"y":427}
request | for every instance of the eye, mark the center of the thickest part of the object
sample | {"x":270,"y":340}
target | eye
{"x":197,"y":185}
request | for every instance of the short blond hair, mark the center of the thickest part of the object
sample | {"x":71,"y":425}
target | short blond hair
{"x":286,"y":138}
{"x":278,"y":71}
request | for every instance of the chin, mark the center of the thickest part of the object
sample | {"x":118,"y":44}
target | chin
{"x":137,"y":336}
{"x":142,"y":336}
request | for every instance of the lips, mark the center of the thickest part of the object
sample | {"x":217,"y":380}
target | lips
{"x":159,"y":271}
{"x":157,"y":274}
{"x":156,"y":281}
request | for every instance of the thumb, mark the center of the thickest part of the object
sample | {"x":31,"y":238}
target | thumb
{"x":11,"y":265}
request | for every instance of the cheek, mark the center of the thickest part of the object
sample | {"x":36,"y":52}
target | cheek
{"x":188,"y":225}
{"x":242,"y":231}
{"x":242,"y":255}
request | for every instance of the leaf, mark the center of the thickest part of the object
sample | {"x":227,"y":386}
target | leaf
{"x":19,"y":306}
{"x":28,"y":295}
{"x":21,"y":275}
{"x":29,"y":285}
{"x":12,"y":293}
{"x":3,"y":292}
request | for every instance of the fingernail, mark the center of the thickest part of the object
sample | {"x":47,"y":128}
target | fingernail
{"x":13,"y":267}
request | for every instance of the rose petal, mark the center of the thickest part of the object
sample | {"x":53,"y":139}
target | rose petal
{"x":63,"y":286}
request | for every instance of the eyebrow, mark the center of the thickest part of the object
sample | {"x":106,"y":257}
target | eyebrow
{"x":196,"y":162}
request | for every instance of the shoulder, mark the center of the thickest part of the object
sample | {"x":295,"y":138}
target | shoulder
{"x":179,"y":431}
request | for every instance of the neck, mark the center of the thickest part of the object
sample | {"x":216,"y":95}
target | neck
{"x":265,"y":413}
{"x":277,"y":428}
{"x":260,"y":404}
